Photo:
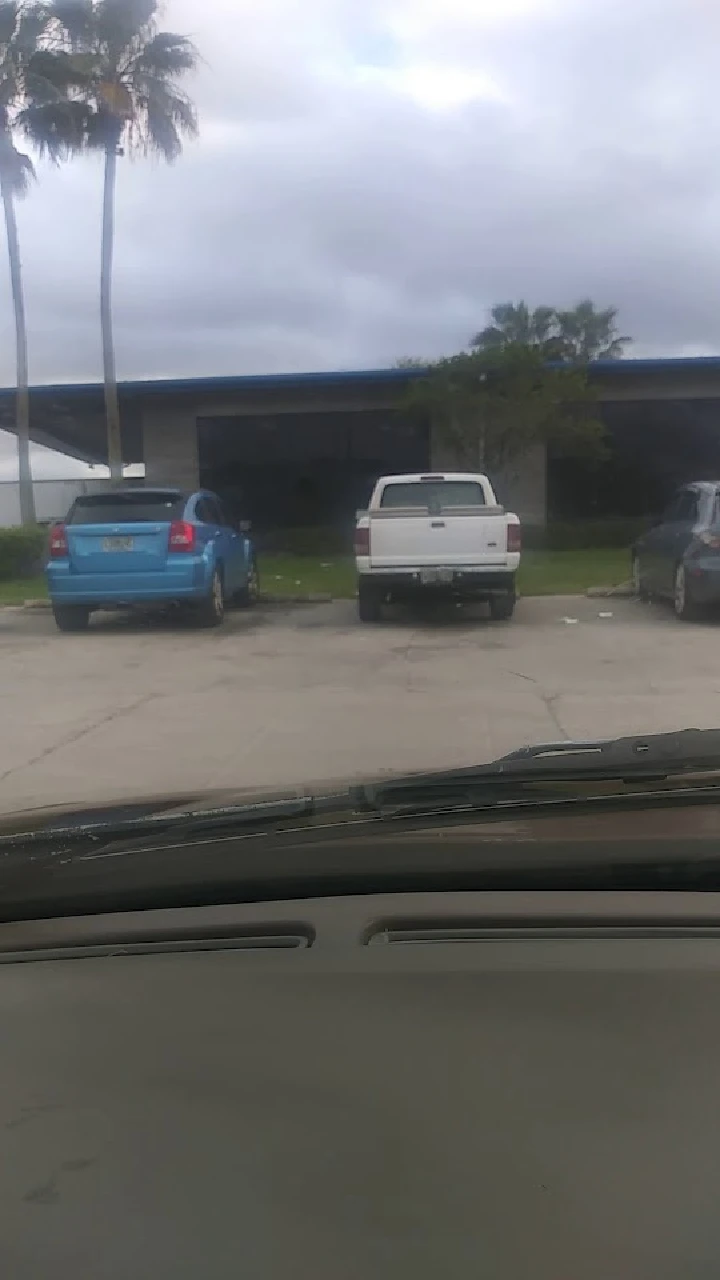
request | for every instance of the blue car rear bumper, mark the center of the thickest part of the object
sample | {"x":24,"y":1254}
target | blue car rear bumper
{"x":189,"y":579}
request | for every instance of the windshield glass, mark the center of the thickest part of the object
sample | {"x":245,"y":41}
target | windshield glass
{"x":434,"y":493}
{"x":124,"y":508}
{"x":372,"y":421}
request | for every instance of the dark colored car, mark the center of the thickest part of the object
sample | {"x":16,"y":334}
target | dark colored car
{"x":679,"y":558}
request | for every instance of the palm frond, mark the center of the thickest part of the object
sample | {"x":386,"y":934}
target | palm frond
{"x":57,"y":130}
{"x":165,"y":56}
{"x":75,"y":19}
{"x":8,"y":23}
{"x":18,"y":170}
{"x":118,"y":22}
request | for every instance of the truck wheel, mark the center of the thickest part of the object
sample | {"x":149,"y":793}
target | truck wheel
{"x":71,"y":617}
{"x":211,"y":611}
{"x":502,"y":607}
{"x":369,"y":602}
{"x":683,"y":603}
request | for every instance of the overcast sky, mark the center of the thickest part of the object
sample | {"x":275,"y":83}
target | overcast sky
{"x":372,"y":175}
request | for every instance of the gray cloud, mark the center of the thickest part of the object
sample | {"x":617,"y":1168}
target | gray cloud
{"x":333,"y":214}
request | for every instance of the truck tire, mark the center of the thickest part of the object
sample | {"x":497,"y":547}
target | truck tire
{"x":685,"y":607}
{"x":211,"y":611}
{"x":369,"y":602}
{"x":71,"y":617}
{"x":502,"y":607}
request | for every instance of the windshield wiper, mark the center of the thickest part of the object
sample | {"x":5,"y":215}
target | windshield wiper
{"x":650,"y":758}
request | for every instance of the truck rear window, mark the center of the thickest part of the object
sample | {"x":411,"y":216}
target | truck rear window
{"x":126,"y":508}
{"x":434,"y":494}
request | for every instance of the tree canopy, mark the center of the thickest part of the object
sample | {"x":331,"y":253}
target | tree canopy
{"x":493,"y":406}
{"x":524,"y":382}
{"x":581,"y":333}
{"x":112,"y":78}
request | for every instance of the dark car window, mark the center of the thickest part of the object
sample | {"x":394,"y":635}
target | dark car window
{"x":687,"y":509}
{"x":434,"y":494}
{"x":205,"y":511}
{"x":684,"y":506}
{"x":126,"y":508}
{"x":216,"y":515}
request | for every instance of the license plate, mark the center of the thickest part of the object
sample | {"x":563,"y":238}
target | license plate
{"x":118,"y":544}
{"x":430,"y":576}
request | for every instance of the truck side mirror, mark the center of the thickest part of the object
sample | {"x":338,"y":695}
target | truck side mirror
{"x":244,"y":526}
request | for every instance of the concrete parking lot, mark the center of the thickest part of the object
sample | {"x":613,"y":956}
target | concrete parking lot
{"x":300,"y":694}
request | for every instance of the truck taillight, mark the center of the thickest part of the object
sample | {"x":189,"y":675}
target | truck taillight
{"x":58,"y":542}
{"x":362,"y":541}
{"x":514,"y":538}
{"x":182,"y":536}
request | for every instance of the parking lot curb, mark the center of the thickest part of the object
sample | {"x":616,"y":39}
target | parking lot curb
{"x":624,"y":591}
{"x":317,"y":597}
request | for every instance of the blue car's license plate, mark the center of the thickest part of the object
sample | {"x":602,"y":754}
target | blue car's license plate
{"x":117,"y":544}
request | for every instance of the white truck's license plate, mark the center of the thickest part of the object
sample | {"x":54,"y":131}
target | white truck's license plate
{"x":430,"y":576}
{"x":117,"y":544}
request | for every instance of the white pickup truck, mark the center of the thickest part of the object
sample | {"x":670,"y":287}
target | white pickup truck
{"x":440,"y":532}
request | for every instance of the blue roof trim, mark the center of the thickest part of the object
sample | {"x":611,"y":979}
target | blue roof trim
{"x":261,"y":381}
{"x":237,"y":382}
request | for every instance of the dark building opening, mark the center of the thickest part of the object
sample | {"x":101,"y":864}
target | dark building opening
{"x":654,"y":446}
{"x":289,"y":470}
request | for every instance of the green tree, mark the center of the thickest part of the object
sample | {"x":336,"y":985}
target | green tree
{"x":493,"y":406}
{"x":117,"y":82}
{"x":586,"y":333}
{"x":22,"y":28}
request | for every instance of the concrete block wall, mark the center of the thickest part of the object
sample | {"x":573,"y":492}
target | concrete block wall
{"x":171,"y":448}
{"x":521,"y":488}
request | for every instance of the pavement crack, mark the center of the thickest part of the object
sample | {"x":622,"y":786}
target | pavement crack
{"x":549,"y":700}
{"x":78,"y":734}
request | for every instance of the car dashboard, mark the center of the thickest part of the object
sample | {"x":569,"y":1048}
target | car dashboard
{"x":447,"y":1084}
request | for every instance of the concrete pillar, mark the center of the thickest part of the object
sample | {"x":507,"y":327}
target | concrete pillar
{"x":521,"y":487}
{"x":170,"y":448}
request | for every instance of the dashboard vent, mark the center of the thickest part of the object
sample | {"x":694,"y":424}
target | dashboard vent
{"x":399,"y":934}
{"x":158,"y":944}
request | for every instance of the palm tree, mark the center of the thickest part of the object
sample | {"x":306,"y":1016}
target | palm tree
{"x":517,"y":323}
{"x":587,"y":333}
{"x":118,"y":76}
{"x":22,"y":27}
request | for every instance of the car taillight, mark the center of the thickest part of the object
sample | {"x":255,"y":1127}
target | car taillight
{"x":58,"y":542}
{"x":514,"y":538}
{"x":362,"y":541}
{"x":182,"y":536}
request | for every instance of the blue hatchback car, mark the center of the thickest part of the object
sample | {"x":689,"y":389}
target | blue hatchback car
{"x":145,"y":547}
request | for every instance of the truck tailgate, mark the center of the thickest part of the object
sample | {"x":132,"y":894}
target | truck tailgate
{"x":445,"y":539}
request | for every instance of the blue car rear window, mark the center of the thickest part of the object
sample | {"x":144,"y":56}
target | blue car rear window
{"x":126,"y":508}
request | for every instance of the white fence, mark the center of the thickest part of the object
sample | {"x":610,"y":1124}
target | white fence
{"x":53,"y":498}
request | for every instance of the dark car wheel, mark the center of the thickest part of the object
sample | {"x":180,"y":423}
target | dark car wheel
{"x":249,"y":595}
{"x":211,"y":612}
{"x":71,"y":617}
{"x":502,"y":607}
{"x":683,"y":603}
{"x":369,"y":602}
